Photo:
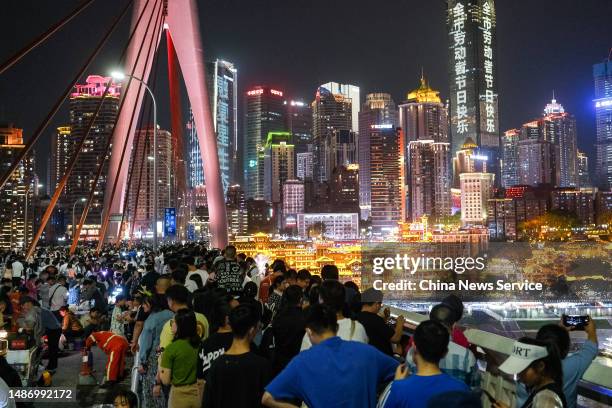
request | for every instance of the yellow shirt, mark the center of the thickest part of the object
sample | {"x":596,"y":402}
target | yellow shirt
{"x":166,"y":336}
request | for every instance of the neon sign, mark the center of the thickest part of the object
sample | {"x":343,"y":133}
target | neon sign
{"x":488,"y":66}
{"x":255,"y":92}
{"x":382,"y":126}
{"x":460,"y":67}
{"x":275,"y":92}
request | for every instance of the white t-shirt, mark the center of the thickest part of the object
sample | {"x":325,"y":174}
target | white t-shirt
{"x":344,"y":332}
{"x":59,"y":295}
{"x":17,"y":269}
{"x":191,"y":285}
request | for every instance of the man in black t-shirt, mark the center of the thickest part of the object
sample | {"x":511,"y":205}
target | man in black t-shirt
{"x":237,"y":378}
{"x":215,"y":345}
{"x":380,"y":334}
{"x":228,"y":273}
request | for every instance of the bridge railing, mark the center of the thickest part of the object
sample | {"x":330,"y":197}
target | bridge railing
{"x":493,"y":348}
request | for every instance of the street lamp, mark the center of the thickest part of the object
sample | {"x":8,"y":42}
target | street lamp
{"x":73,"y":208}
{"x":120,"y":76}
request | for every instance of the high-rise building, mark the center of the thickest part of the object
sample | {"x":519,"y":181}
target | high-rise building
{"x":506,"y":214}
{"x":330,"y":111}
{"x":259,"y":215}
{"x":602,"y":75}
{"x":278,"y":166}
{"x":559,"y":127}
{"x":386,"y":173}
{"x":60,"y":150}
{"x":351,"y":93}
{"x":195,"y":165}
{"x":423,"y":116}
{"x":378,"y":110}
{"x":429,"y":179}
{"x":17,"y":195}
{"x":237,"y":220}
{"x":141,"y":201}
{"x":579,"y":202}
{"x":334,"y":226}
{"x":510,"y":162}
{"x":344,"y":189}
{"x":538,"y":162}
{"x":304,"y":166}
{"x":299,"y":124}
{"x":293,"y":203}
{"x":223,"y":93}
{"x":584,"y":180}
{"x":472,"y":74}
{"x":603,"y":207}
{"x":83,"y":104}
{"x":340,"y":149}
{"x":265,"y":113}
{"x":476,"y":189}
{"x":468,"y":159}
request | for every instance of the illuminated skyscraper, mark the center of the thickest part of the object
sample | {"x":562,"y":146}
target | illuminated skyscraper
{"x":265,"y":113}
{"x":60,"y":150}
{"x":330,"y":112}
{"x":304,"y":166}
{"x":472,"y":74}
{"x":223,"y":92}
{"x":83,"y":103}
{"x":602,"y":75}
{"x":538,"y":162}
{"x":378,"y":111}
{"x":196,"y":171}
{"x":468,"y":160}
{"x":387,"y":180}
{"x":278,"y":167}
{"x":340,"y":149}
{"x":16,"y":197}
{"x":299,"y":124}
{"x":584,"y":180}
{"x":141,"y":188}
{"x":350,"y":92}
{"x":510,"y":163}
{"x":423,"y":116}
{"x":236,"y":208}
{"x":429,"y":178}
{"x":293,"y":203}
{"x":344,"y":189}
{"x":476,"y":189}
{"x":559,"y":127}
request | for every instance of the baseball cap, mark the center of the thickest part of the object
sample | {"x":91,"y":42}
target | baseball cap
{"x":371,"y":295}
{"x":522,"y":356}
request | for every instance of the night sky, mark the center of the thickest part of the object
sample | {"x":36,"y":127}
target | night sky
{"x":543,"y":45}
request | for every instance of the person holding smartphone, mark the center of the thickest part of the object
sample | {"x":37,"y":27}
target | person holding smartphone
{"x":574,"y":365}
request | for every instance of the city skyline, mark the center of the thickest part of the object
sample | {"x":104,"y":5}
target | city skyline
{"x":522,"y":89}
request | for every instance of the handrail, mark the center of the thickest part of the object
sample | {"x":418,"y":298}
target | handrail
{"x":134,"y":379}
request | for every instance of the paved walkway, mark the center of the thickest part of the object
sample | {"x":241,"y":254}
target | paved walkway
{"x":67,"y":375}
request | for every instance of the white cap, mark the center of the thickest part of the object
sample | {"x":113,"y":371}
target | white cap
{"x":522,"y":355}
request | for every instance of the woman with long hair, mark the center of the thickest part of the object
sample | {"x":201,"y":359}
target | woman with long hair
{"x":179,"y":362}
{"x":149,"y":351}
{"x":538,"y":366}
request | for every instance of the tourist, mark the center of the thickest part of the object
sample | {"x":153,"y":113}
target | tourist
{"x":332,"y":294}
{"x":537,"y":365}
{"x":228,"y":273}
{"x":380,"y":334}
{"x":178,"y":298}
{"x":414,"y":391}
{"x":334,"y":373}
{"x":71,"y":326}
{"x":37,"y":322}
{"x":459,"y":362}
{"x":125,"y":399}
{"x":574,"y":365}
{"x":179,"y":361}
{"x":237,"y":378}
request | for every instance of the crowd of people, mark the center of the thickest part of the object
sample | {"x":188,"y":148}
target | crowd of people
{"x":211,"y":328}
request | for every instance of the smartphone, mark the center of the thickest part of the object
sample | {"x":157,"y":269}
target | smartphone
{"x":492,"y":400}
{"x":576,"y":321}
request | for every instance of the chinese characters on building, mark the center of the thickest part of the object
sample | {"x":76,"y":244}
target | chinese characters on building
{"x":488,"y":66}
{"x":459,"y":46}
